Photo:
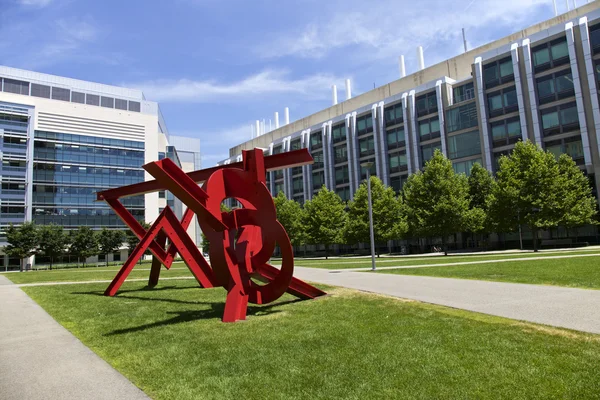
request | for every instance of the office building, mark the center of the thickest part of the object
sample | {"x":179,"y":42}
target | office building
{"x":540,"y":84}
{"x":62,"y":140}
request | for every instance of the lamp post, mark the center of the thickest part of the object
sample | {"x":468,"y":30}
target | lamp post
{"x":367,"y":166}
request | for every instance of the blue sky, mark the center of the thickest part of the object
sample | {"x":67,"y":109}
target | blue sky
{"x":215,"y":66}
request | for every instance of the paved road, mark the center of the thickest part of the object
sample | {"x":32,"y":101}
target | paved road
{"x":577,"y":309}
{"x":40,"y":359}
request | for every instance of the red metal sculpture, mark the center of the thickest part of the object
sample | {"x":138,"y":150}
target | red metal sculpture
{"x":241,"y":241}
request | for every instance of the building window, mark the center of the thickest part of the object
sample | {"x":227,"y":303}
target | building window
{"x":364,"y":124}
{"x":550,"y":55}
{"x":319,"y":163}
{"x":14,"y":86}
{"x":278,"y":188}
{"x":107,"y":102}
{"x":571,"y":146}
{"x":426,"y":104}
{"x":464,"y":145}
{"x":297,"y":185}
{"x":318,"y":179}
{"x":506,"y":132}
{"x":134,"y":106}
{"x":162,"y":194}
{"x":296,"y":171}
{"x":338,"y":132}
{"x":498,"y":72}
{"x":92,"y":99}
{"x":78,"y":97}
{"x":428,"y":150}
{"x":395,"y":138}
{"x":340,"y":154}
{"x":502,"y":102}
{"x":366,"y":146}
{"x":121,"y":104}
{"x":397,"y":182}
{"x":555,"y":87}
{"x":40,"y":91}
{"x":295,"y":144}
{"x":464,"y":167}
{"x":61,"y":94}
{"x":397,"y":162}
{"x":344,"y":193}
{"x":429,"y":129}
{"x":162,"y":155}
{"x":595,"y":38}
{"x":462,"y":117}
{"x":341,"y":175}
{"x":463,"y":93}
{"x":316,"y":140}
{"x":560,"y":119}
{"x":394,"y":114}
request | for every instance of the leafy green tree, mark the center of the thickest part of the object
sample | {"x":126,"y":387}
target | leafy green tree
{"x":389,"y":220}
{"x":289,"y":214}
{"x":52,"y":241}
{"x":84,"y":243}
{"x":132,"y":240}
{"x":527,"y":191}
{"x":324,"y":219}
{"x":577,"y":205}
{"x":110,"y":241}
{"x":22,"y":241}
{"x":437,"y":199}
{"x":480,"y":182}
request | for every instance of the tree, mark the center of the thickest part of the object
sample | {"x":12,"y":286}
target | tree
{"x":324,"y":219}
{"x":577,"y":205}
{"x":132,"y":240}
{"x":389,"y":220}
{"x":110,"y":241}
{"x":22,"y":241}
{"x":437,"y":199}
{"x":289,"y":214}
{"x":52,"y":241}
{"x":84,"y":243}
{"x":480,"y":182}
{"x":527,"y":191}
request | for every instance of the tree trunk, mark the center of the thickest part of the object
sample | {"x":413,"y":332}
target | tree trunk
{"x":326,"y":251}
{"x":22,"y":264}
{"x":535,"y":235}
{"x":107,"y":259}
{"x":51,"y":259}
{"x":444,"y":245}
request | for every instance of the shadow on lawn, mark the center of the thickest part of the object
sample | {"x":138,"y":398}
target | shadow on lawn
{"x":215,"y":311}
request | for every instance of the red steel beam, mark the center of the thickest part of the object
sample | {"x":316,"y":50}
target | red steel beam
{"x":290,"y":159}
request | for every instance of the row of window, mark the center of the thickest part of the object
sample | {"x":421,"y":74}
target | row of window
{"x":58,"y":93}
{"x":82,"y":139}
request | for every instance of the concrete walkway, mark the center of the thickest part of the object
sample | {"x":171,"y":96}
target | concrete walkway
{"x":577,"y":309}
{"x":40,"y":359}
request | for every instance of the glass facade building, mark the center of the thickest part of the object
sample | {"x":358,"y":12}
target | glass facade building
{"x":63,"y":140}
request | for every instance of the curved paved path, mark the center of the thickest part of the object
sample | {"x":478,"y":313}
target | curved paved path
{"x":40,"y":359}
{"x":577,"y":309}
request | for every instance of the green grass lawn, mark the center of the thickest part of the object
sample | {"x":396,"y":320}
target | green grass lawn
{"x":93,"y":274}
{"x":365,"y":262}
{"x":170,"y":342}
{"x":582,"y":272}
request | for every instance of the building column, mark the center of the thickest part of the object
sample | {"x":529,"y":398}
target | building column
{"x":531,"y":87}
{"x":306,"y":169}
{"x":354,"y":177}
{"x":382,"y":144}
{"x":591,"y":75}
{"x":514,"y":53}
{"x":286,"y":172}
{"x":29,"y":167}
{"x":328,"y":161}
{"x":272,"y":175}
{"x":407,"y":132}
{"x":412,"y":112}
{"x":375,"y":138}
{"x":585,"y":141}
{"x":441,"y":116}
{"x":483,"y":114}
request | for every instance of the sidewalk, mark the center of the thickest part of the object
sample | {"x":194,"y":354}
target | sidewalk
{"x":40,"y":359}
{"x":550,"y":305}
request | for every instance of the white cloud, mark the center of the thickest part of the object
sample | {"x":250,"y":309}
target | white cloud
{"x":34,"y":3}
{"x":266,"y":83}
{"x":388,"y":28}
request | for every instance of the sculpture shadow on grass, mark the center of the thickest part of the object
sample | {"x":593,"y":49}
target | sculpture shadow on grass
{"x":214,"y":312}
